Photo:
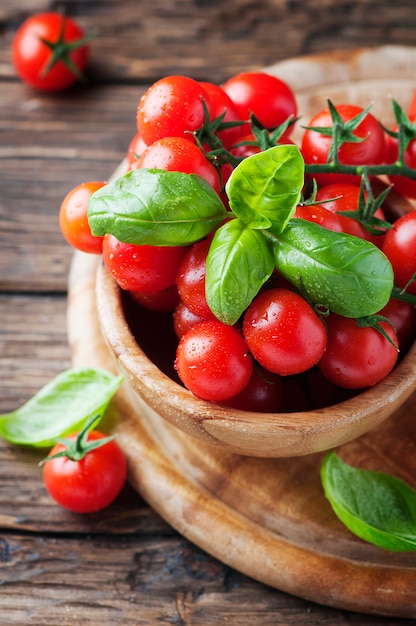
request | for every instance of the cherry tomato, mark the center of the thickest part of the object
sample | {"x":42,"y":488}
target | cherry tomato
{"x":263,"y":393}
{"x":184,"y":319}
{"x":402,"y":315}
{"x":221,"y":103}
{"x":73,"y":218}
{"x":213,"y":361}
{"x":135,"y":149}
{"x":90,"y":484}
{"x":190,"y":279}
{"x":180,"y":154}
{"x":400,"y":248}
{"x":270,"y":99}
{"x":357,"y":357}
{"x":402,"y":184}
{"x":142,"y":269}
{"x":344,"y":197}
{"x":315,"y":146}
{"x":320,"y":215}
{"x":162,"y":301}
{"x":283,"y":332}
{"x":171,"y":107}
{"x":45,"y":68}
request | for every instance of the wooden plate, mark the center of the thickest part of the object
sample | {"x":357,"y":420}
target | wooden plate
{"x":268,"y":518}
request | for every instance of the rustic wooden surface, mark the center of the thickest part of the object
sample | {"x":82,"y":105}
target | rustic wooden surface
{"x":126,"y":565}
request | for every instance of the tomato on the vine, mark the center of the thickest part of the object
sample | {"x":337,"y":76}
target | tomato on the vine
{"x":340,"y":198}
{"x":268,"y":98}
{"x":404,"y":185}
{"x":315,"y":146}
{"x":171,"y":107}
{"x":213,"y":361}
{"x":73,"y":218}
{"x":83,"y":476}
{"x":144,"y":269}
{"x":50,"y":51}
{"x":221,"y":104}
{"x":357,"y":357}
{"x":283,"y":332}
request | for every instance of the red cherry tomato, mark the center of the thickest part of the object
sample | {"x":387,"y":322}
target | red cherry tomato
{"x":162,"y":301}
{"x":135,"y":149}
{"x":402,"y":315}
{"x":221,"y":103}
{"x":402,"y":184}
{"x":32,"y":56}
{"x":356,"y":357}
{"x":73,"y":218}
{"x":184,"y":319}
{"x":263,"y":393}
{"x":190,"y":280}
{"x":180,"y":155}
{"x":270,"y":99}
{"x":315,"y":146}
{"x":143,"y":269}
{"x":344,"y":197}
{"x":90,"y":484}
{"x":171,"y":107}
{"x":213,"y":362}
{"x":400,"y":248}
{"x":283,"y":332}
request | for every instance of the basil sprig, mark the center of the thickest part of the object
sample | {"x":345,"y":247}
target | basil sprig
{"x":335,"y":271}
{"x":63,"y":405}
{"x":377,"y":507}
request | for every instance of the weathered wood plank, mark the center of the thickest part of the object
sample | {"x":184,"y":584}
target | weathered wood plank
{"x":48,"y":146}
{"x":215,"y":39}
{"x":141,"y":580}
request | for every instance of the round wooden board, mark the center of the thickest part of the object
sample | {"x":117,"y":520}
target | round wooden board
{"x":269,"y":518}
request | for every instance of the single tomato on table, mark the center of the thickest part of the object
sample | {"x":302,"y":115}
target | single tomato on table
{"x":50,"y":51}
{"x":85,"y":472}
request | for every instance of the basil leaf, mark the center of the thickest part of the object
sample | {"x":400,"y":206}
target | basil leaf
{"x":62,"y":406}
{"x":343,"y":273}
{"x":156,"y":207}
{"x":378,"y":508}
{"x":238,"y":263}
{"x":265,"y":188}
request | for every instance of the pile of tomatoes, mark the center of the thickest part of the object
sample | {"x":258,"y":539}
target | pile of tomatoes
{"x":283,"y":353}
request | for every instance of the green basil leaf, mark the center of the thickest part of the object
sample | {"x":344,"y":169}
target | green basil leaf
{"x":238,"y":263}
{"x":343,"y":273}
{"x":378,"y":508}
{"x":156,"y":207}
{"x":265,"y":188}
{"x":62,"y":406}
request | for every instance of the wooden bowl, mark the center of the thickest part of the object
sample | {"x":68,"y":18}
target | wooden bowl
{"x":355,"y":77}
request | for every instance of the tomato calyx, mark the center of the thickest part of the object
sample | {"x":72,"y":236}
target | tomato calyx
{"x":367,"y":207}
{"x":374,"y":321}
{"x":341,"y":131}
{"x":61,"y":49}
{"x":76,"y":449}
{"x":406,"y":131}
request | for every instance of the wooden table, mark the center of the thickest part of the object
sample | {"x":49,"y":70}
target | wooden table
{"x":124,"y":565}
